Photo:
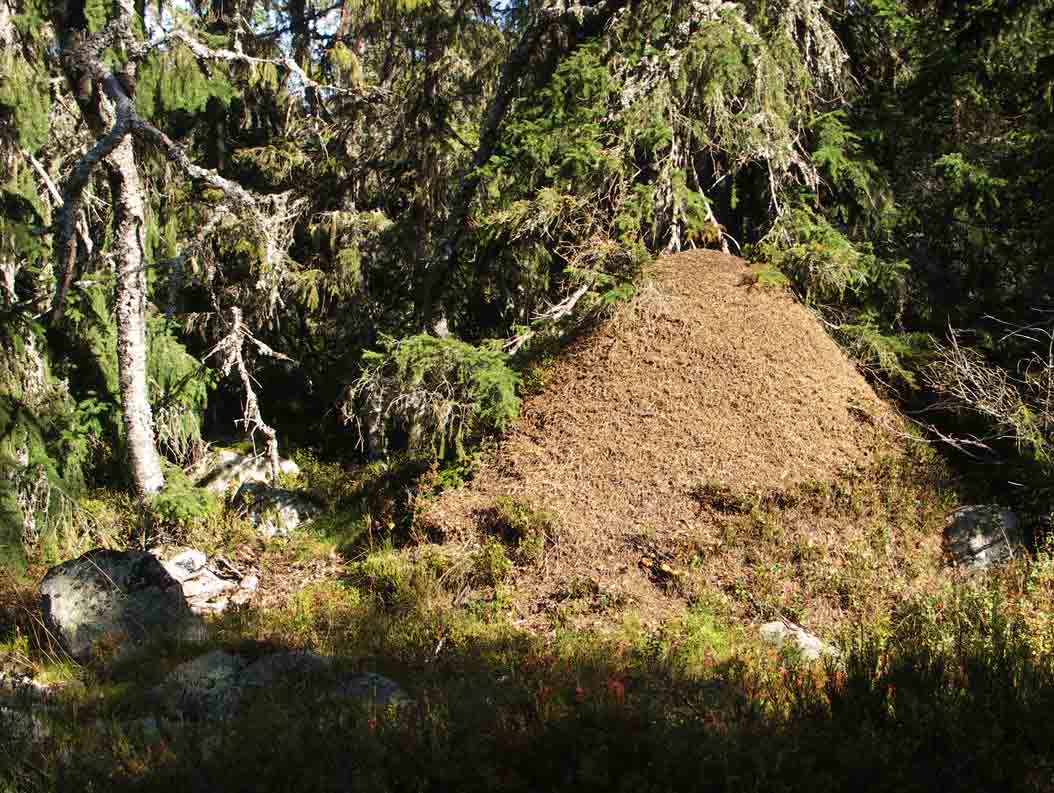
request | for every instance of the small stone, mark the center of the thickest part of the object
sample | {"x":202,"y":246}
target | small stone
{"x":781,"y":634}
{"x":274,"y":511}
{"x":376,"y":689}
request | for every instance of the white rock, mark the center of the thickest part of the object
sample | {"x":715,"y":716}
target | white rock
{"x":781,"y":634}
{"x":228,"y":469}
{"x":206,"y":591}
{"x":184,"y":564}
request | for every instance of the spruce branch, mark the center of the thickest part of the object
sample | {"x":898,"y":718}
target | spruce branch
{"x":205,"y":53}
{"x":176,"y":265}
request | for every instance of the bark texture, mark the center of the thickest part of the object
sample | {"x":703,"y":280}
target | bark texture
{"x":131,"y":320}
{"x":105,"y":104}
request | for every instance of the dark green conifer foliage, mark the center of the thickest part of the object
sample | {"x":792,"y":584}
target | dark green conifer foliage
{"x":891,"y":158}
{"x":179,"y":383}
{"x":46,"y":442}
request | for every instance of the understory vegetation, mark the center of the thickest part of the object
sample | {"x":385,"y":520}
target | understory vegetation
{"x":951,"y":686}
{"x":360,"y":233}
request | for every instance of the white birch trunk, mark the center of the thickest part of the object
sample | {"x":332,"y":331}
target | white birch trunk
{"x":138,"y":419}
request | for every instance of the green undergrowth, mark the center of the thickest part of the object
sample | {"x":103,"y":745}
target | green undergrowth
{"x":947,"y":685}
{"x":825,"y":554}
{"x":957,"y":692}
{"x":365,"y":506}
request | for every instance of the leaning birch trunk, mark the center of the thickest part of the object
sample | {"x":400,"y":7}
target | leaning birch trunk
{"x":131,"y":320}
{"x":108,"y":110}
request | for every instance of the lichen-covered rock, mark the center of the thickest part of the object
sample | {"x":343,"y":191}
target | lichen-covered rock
{"x":981,"y":535}
{"x":374,"y":688}
{"x":785,"y":634}
{"x":206,"y":688}
{"x":214,"y":686}
{"x":274,"y":511}
{"x":227,"y":469}
{"x":110,"y":602}
{"x":292,"y":665}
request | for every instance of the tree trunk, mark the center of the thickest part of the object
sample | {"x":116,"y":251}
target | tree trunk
{"x":131,"y":320}
{"x":105,"y":101}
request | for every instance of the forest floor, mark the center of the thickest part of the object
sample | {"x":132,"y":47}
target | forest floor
{"x":577,"y":607}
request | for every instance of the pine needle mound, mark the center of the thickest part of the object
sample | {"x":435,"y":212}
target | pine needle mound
{"x":705,"y":383}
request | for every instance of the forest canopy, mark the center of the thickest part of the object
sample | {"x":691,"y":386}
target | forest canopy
{"x":292,"y":219}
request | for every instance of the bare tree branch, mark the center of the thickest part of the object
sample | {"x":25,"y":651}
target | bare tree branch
{"x":552,"y":316}
{"x":231,"y":351}
{"x":72,"y":205}
{"x":205,"y":53}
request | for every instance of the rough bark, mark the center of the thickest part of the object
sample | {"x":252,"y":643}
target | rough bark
{"x":105,"y":104}
{"x":131,"y":320}
{"x":105,"y":99}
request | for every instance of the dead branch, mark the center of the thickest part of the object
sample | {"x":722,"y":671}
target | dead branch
{"x":231,"y":353}
{"x":1021,"y":406}
{"x":548,"y":318}
{"x":206,"y":53}
{"x":56,"y":197}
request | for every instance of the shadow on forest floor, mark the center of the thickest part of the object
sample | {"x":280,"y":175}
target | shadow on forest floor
{"x":952,"y":701}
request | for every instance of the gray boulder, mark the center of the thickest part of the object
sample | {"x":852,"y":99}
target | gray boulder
{"x":111,"y":602}
{"x":301,"y":666}
{"x":227,"y":469}
{"x":290,"y":665}
{"x":212,"y":687}
{"x":274,"y":511}
{"x":981,"y":535}
{"x":208,"y":688}
{"x":787,"y":634}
